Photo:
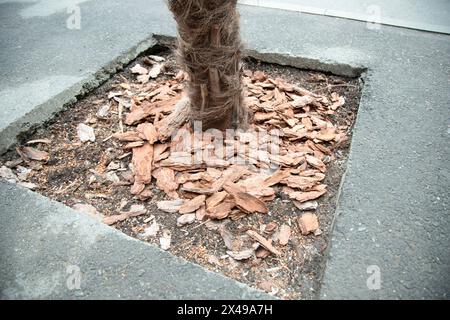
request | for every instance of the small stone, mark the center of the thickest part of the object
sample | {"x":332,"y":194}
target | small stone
{"x":308,"y":205}
{"x":85,"y":133}
{"x":103,"y":111}
{"x":185,"y":219}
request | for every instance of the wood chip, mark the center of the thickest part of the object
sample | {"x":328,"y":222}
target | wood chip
{"x":165,"y":180}
{"x":276,"y":177}
{"x":192,"y":205}
{"x":128,"y":136}
{"x":241,"y":255}
{"x":142,"y":163}
{"x":149,"y":109}
{"x":175,"y":120}
{"x":170,"y":206}
{"x":148,"y":131}
{"x":285,"y":234}
{"x":316,"y":163}
{"x":133,"y":144}
{"x":215,"y":199}
{"x":121,"y":217}
{"x":259,"y":76}
{"x":221,"y":211}
{"x":305,"y":196}
{"x":245,"y":201}
{"x":264,"y":242}
{"x":308,"y":223}
{"x":29,"y":153}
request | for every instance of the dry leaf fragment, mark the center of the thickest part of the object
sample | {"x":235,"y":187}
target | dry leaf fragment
{"x":143,"y":78}
{"x":339,"y":102}
{"x":264,"y":242}
{"x":85,"y":133}
{"x":29,"y":153}
{"x":285,"y":234}
{"x":192,"y":205}
{"x":308,"y":223}
{"x":103,"y":111}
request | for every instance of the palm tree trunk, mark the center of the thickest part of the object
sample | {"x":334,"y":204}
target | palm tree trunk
{"x":209,"y":49}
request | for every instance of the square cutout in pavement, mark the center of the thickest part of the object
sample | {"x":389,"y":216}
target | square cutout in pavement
{"x":97,"y":177}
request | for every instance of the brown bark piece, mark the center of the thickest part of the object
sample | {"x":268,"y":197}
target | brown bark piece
{"x":192,"y":205}
{"x":308,"y":223}
{"x":215,"y":199}
{"x":29,"y":153}
{"x":264,"y":242}
{"x":142,"y":163}
{"x":305,"y":196}
{"x":148,"y":131}
{"x":285,"y":234}
{"x":128,"y":136}
{"x":245,"y":201}
{"x":276,"y":177}
{"x":165,"y":180}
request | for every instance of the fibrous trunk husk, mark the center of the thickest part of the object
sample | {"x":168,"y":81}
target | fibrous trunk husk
{"x":209,"y":49}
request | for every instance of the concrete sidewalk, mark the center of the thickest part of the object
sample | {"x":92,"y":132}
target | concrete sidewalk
{"x":49,"y":251}
{"x":393,"y":207}
{"x":430,"y":15}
